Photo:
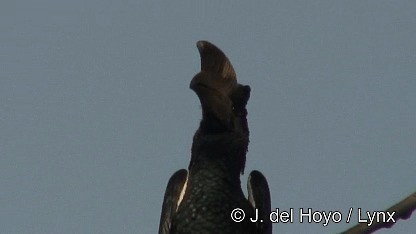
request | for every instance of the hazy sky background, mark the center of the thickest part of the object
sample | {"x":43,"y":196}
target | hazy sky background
{"x":96,"y":113}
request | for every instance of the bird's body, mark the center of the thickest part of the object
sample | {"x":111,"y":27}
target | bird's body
{"x":200,"y":200}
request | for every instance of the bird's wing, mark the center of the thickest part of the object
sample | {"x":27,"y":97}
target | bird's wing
{"x":259,"y":197}
{"x":173,"y":196}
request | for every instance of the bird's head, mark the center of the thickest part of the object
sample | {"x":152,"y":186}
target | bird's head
{"x":223,"y":103}
{"x":215,"y":83}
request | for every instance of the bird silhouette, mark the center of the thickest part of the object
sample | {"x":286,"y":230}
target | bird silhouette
{"x":200,"y":200}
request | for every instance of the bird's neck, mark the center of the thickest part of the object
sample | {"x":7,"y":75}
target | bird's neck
{"x":220,"y":155}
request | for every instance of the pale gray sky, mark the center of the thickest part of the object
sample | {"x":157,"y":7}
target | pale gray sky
{"x":96,"y":113}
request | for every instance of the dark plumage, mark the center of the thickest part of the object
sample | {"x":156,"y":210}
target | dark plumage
{"x":201,"y":199}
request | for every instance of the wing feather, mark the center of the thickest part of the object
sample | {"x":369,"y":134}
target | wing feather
{"x":171,"y":201}
{"x":259,"y":197}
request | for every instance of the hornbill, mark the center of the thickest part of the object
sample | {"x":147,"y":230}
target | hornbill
{"x":200,"y":200}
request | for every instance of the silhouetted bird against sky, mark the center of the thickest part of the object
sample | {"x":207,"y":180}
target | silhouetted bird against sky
{"x":200,"y":200}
